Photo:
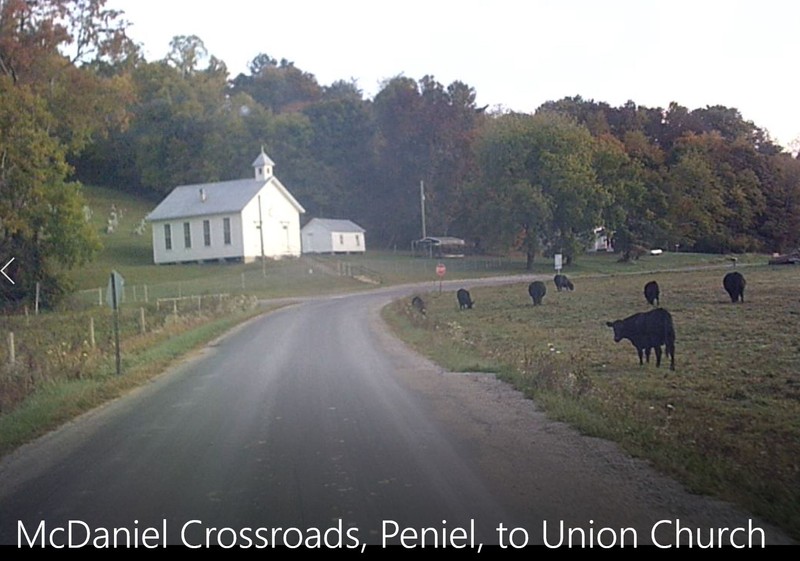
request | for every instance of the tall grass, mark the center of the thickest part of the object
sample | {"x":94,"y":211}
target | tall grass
{"x":58,"y":374}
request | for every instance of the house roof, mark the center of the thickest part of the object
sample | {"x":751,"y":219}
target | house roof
{"x":335,"y":225}
{"x":222,"y":197}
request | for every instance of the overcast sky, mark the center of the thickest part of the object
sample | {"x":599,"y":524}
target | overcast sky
{"x":515,"y":54}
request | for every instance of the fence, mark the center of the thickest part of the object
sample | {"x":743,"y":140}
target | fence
{"x":308,"y":275}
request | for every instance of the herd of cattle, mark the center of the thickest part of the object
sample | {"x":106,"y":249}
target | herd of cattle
{"x":647,"y":331}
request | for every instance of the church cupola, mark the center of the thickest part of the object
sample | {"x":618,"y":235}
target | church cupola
{"x":263,"y":166}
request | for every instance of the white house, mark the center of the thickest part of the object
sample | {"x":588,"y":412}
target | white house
{"x":602,"y":240}
{"x":238,"y":220}
{"x":325,"y":235}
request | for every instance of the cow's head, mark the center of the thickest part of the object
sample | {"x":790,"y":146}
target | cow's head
{"x":617,"y":327}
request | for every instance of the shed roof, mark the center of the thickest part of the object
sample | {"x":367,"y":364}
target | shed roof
{"x":440,"y":240}
{"x":335,"y":225}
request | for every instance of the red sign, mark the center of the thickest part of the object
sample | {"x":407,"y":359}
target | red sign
{"x":441,"y":269}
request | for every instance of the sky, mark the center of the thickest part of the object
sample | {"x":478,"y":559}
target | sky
{"x":516,"y":54}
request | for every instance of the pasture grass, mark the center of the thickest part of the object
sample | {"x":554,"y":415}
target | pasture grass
{"x":726,"y":422}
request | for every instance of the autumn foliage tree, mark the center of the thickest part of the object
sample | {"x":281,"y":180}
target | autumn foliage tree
{"x":53,"y":104}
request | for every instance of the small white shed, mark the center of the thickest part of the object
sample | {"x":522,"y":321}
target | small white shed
{"x":326,"y":235}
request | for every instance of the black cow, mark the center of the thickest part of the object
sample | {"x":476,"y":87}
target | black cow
{"x":418,"y":304}
{"x":651,"y":293}
{"x":734,"y":284}
{"x":537,"y":290}
{"x":646,"y":331}
{"x":464,"y":299}
{"x":563,"y":283}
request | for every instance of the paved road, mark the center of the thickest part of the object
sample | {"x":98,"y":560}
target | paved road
{"x":314,"y":414}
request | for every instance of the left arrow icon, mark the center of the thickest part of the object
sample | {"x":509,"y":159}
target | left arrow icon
{"x":3,"y":270}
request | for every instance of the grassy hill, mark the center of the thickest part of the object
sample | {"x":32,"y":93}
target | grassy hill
{"x":128,"y":249}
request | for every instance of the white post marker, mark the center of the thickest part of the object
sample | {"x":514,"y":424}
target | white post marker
{"x":558,"y":262}
{"x":116,"y":285}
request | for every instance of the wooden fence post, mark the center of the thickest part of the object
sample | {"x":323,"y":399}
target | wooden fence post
{"x":142,"y":325}
{"x":12,"y":359}
{"x":91,"y":332}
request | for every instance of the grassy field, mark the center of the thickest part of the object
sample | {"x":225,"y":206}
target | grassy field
{"x":726,"y":422}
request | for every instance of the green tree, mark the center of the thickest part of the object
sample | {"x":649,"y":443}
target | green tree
{"x":424,"y":133}
{"x":278,"y":86}
{"x":779,"y":223}
{"x":538,"y":188}
{"x":42,"y":223}
{"x":54,"y":102}
{"x":343,"y":141}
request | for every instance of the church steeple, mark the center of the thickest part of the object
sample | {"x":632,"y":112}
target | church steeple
{"x":263,"y":165}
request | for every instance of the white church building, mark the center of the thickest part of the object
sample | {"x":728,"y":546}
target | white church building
{"x":237,"y":220}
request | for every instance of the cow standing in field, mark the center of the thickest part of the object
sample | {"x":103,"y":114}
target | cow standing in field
{"x":465,"y":301}
{"x":734,"y":284}
{"x":651,"y":293}
{"x":646,"y":331}
{"x":563,"y":283}
{"x":537,"y":290}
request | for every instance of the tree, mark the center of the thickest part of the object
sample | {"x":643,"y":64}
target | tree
{"x":538,"y":184}
{"x":425,"y":133}
{"x":52,"y":108}
{"x":186,"y":52}
{"x":278,"y":86}
{"x":637,"y":205}
{"x":779,"y":222}
{"x":343,"y":140}
{"x":42,"y":223}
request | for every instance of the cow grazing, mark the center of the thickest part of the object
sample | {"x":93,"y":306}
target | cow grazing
{"x":651,"y":293}
{"x":734,"y":284}
{"x":418,"y":304}
{"x":563,"y":283}
{"x":646,"y":331}
{"x":537,"y":290}
{"x":464,"y":299}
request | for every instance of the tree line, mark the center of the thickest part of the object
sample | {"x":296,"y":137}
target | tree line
{"x":81,"y":105}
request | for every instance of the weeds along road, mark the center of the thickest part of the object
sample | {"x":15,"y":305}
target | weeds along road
{"x":314,"y":414}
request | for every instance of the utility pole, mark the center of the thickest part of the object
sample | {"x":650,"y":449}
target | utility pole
{"x":261,"y":232}
{"x":422,"y":206}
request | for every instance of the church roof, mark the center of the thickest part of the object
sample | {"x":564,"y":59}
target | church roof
{"x":220,"y":197}
{"x":263,"y":160}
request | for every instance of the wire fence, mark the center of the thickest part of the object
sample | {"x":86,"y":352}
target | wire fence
{"x":307,"y":275}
